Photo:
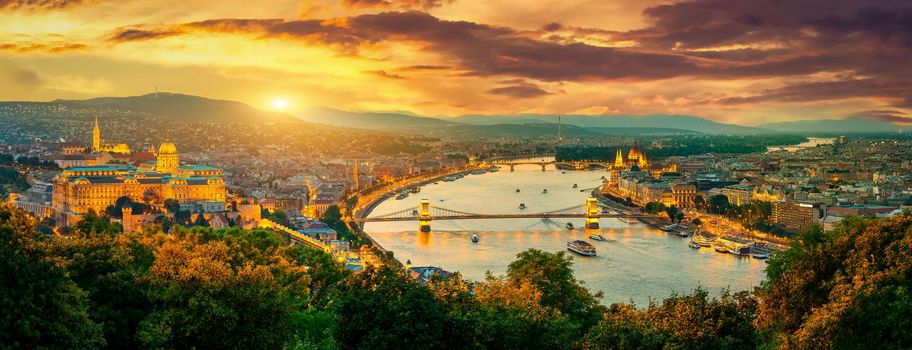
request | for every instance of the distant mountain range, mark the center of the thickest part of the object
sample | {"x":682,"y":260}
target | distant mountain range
{"x":682,"y":122}
{"x":185,"y":108}
{"x":833,"y":126}
{"x":378,"y":121}
{"x":200,"y":109}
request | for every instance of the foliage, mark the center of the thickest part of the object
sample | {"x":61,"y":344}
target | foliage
{"x":843,"y":289}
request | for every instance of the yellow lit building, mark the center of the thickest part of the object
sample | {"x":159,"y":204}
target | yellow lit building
{"x":98,"y":146}
{"x":79,"y":189}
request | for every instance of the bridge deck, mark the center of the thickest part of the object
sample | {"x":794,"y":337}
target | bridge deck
{"x":504,"y":216}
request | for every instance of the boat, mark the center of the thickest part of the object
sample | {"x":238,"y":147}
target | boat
{"x":703,"y":240}
{"x":760,"y":255}
{"x":630,"y":221}
{"x":522,"y":205}
{"x":569,"y":226}
{"x":415,"y":189}
{"x":693,"y":245}
{"x":479,"y":172}
{"x":682,"y":231}
{"x":494,"y":169}
{"x":720,"y":247}
{"x":402,"y":195}
{"x":669,"y":228}
{"x":517,"y":190}
{"x":596,"y":237}
{"x":545,"y":190}
{"x":475,"y":239}
{"x":581,"y":247}
{"x":740,"y":251}
{"x":575,"y":186}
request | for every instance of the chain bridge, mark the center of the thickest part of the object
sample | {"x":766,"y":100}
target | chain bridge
{"x":591,"y":210}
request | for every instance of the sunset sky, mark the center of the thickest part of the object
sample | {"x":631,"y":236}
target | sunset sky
{"x":736,"y":61}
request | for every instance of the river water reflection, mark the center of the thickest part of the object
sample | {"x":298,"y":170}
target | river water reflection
{"x":635,"y":263}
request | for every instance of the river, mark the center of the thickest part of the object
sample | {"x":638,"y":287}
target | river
{"x":636,"y":262}
{"x":811,"y":142}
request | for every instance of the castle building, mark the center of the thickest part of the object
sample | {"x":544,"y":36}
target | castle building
{"x":80,"y":189}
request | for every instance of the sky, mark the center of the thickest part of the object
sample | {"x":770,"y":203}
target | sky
{"x":746,"y":62}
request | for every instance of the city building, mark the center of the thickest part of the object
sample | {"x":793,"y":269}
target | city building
{"x":80,"y":189}
{"x":795,"y":216}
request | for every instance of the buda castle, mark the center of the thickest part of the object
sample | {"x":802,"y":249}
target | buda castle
{"x":77,"y":190}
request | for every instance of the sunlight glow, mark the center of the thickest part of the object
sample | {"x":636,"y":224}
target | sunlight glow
{"x":280,"y":103}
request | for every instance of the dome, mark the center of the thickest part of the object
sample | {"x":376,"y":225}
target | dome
{"x":167,"y":148}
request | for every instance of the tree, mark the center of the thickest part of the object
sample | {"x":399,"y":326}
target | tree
{"x":672,"y":213}
{"x":699,"y":203}
{"x":697,"y":221}
{"x":385,"y":309}
{"x":201,"y":221}
{"x":152,"y":196}
{"x":172,"y":205}
{"x":552,"y":275}
{"x":718,"y":204}
{"x":42,"y":307}
{"x":846,"y":288}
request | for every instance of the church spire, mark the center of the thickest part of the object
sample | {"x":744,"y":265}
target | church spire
{"x":96,"y":136}
{"x":619,"y":159}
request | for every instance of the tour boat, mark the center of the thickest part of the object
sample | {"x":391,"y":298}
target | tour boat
{"x":575,"y":186}
{"x":581,"y":247}
{"x":474,"y":238}
{"x":693,"y":245}
{"x":630,"y":220}
{"x":760,"y":255}
{"x":479,"y":171}
{"x":545,"y":190}
{"x":402,"y":196}
{"x":522,"y":205}
{"x":669,"y":228}
{"x":597,"y":237}
{"x":569,"y":225}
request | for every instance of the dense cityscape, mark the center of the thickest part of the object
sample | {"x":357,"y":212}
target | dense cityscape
{"x":349,"y":174}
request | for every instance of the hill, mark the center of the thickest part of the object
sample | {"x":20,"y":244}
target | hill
{"x":369,"y":120}
{"x":529,"y":130}
{"x":833,"y":126}
{"x":185,"y":108}
{"x":682,"y":122}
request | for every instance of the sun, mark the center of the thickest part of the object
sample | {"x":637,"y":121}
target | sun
{"x":280,"y":103}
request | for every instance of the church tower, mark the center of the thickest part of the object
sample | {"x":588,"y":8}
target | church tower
{"x":96,"y":136}
{"x":619,"y":159}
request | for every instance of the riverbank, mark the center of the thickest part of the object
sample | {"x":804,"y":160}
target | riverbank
{"x":732,"y":228}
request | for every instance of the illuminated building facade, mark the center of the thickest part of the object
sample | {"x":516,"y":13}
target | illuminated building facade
{"x":98,"y":146}
{"x":80,"y":189}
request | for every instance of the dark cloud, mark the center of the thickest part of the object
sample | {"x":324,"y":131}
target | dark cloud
{"x":890,"y":116}
{"x":866,"y":45}
{"x":385,"y":74}
{"x":55,"y":47}
{"x":422,"y":67}
{"x":399,"y":4}
{"x":520,"y":90}
{"x":41,"y":4}
{"x":128,"y":35}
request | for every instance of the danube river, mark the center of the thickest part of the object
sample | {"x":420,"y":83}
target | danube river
{"x":636,"y":262}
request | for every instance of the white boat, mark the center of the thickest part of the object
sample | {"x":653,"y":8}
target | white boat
{"x":581,"y":247}
{"x":569,"y":226}
{"x":630,"y":220}
{"x":474,"y":238}
{"x":596,"y":237}
{"x":693,"y":245}
{"x":683,"y":232}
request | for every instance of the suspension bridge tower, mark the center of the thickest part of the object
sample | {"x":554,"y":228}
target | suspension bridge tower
{"x":592,"y":213}
{"x":424,"y":216}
